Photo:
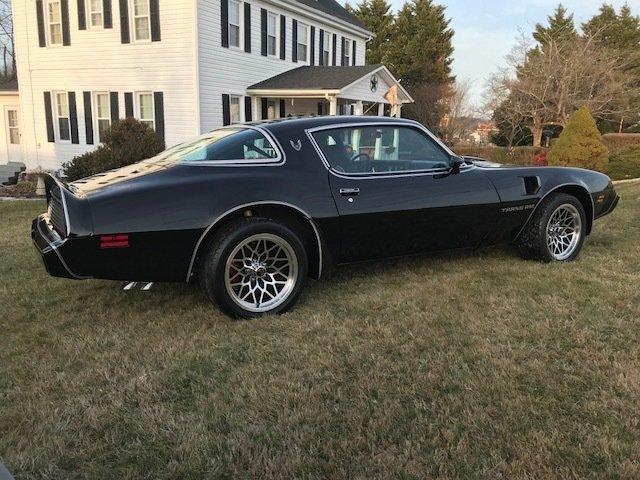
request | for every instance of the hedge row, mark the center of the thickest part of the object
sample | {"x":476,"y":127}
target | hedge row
{"x":617,"y":142}
{"x":516,"y":156}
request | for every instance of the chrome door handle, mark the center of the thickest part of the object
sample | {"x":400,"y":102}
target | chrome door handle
{"x":349,"y":192}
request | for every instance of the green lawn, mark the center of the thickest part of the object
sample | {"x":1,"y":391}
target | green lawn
{"x":465,"y":366}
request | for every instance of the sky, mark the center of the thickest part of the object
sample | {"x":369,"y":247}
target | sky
{"x":486,"y":30}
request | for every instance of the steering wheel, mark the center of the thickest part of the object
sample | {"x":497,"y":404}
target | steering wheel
{"x":362,"y":162}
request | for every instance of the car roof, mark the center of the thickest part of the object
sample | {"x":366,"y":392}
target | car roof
{"x":305,"y":123}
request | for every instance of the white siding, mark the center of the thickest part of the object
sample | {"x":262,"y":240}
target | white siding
{"x":96,"y":60}
{"x":231,"y":71}
{"x":362,"y":89}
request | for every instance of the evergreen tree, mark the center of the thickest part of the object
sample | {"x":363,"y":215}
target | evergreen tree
{"x":420,"y":51}
{"x":580,"y":144}
{"x":377,"y":17}
{"x":561,"y":28}
{"x":617,"y":31}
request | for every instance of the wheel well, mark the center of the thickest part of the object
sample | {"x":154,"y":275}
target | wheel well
{"x":292,"y":218}
{"x":583,"y":196}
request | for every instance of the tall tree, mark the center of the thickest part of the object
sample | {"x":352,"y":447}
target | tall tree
{"x":618,"y":31}
{"x":7,"y":40}
{"x":561,"y":28}
{"x":377,"y":17}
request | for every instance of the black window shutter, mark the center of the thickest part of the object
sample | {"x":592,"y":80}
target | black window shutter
{"x":263,"y":31}
{"x":88,"y":118}
{"x":294,"y":40}
{"x":154,"y":13}
{"x":66,"y":33}
{"x":282,"y":108}
{"x":42,"y":39}
{"x":247,"y":27}
{"x":312,"y":49}
{"x":342,"y":51}
{"x":226,"y":113}
{"x":124,"y":22}
{"x":353,"y":55}
{"x":335,"y":49}
{"x":247,"y":109}
{"x":115,"y":107}
{"x":128,"y":104}
{"x":82,"y":16}
{"x":265,"y":109}
{"x":48,"y":115}
{"x":108,"y":14}
{"x":283,"y":36}
{"x":321,"y":56}
{"x":73,"y":117}
{"x":224,"y":22}
{"x":158,"y":106}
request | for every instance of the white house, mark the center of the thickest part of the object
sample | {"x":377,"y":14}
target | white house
{"x":183,"y":66}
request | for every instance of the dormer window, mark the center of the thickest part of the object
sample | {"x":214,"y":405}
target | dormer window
{"x":302,"y":47}
{"x":141,"y":20}
{"x":95,"y":13}
{"x":234,"y":23}
{"x":54,"y":20}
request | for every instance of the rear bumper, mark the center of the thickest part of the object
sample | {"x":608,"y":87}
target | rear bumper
{"x":50,"y":247}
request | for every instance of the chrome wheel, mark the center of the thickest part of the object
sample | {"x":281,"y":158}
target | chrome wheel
{"x":563,"y":231}
{"x":261,"y":272}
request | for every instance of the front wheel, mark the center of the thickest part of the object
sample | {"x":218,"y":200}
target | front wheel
{"x":556,"y":232}
{"x":254,"y":267}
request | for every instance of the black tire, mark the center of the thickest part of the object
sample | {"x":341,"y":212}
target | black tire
{"x":213,"y":264}
{"x":532,"y":242}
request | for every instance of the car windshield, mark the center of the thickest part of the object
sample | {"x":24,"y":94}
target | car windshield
{"x":226,"y":144}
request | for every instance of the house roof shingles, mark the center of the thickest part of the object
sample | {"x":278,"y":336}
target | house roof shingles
{"x":333,"y":8}
{"x":315,"y":78}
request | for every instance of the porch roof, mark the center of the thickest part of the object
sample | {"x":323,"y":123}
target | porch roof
{"x":315,"y":78}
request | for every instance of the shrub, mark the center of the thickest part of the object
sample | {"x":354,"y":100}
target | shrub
{"x":618,"y":142}
{"x":25,"y":188}
{"x":127,"y":141}
{"x":580,"y":144}
{"x":624,"y":165}
{"x":540,"y":160}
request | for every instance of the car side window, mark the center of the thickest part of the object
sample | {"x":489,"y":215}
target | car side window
{"x":227,"y":145}
{"x":380,"y":149}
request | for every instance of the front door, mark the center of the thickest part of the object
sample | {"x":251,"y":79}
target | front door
{"x":396,"y":194}
{"x":12,"y":127}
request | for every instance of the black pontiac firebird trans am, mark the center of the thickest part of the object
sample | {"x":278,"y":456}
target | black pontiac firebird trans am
{"x":252,"y":210}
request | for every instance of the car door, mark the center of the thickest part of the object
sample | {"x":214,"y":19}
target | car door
{"x":396,"y":193}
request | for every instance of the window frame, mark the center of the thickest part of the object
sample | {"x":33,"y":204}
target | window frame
{"x":49,"y":24}
{"x":277,"y":161}
{"x":348,"y":47}
{"x":411,"y":125}
{"x":10,"y":127}
{"x":232,"y":97}
{"x":326,"y":47}
{"x":306,"y":44}
{"x":276,"y":34}
{"x":90,"y":13}
{"x":134,"y":31}
{"x":58,"y":117}
{"x":138,"y":108}
{"x":96,"y":114}
{"x":240,"y":25}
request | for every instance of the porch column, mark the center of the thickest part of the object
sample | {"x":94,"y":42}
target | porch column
{"x":333,"y":106}
{"x":381,"y":109}
{"x":256,"y":110}
{"x":358,"y":107}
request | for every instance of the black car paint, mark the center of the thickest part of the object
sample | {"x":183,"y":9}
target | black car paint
{"x":168,"y":210}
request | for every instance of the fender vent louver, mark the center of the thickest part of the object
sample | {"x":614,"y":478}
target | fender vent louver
{"x":531,"y":185}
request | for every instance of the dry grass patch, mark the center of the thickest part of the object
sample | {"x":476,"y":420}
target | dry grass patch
{"x":464,"y":366}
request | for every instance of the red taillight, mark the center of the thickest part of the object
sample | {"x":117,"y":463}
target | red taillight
{"x":114,"y":241}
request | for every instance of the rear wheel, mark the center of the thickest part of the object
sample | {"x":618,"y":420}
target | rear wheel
{"x":556,"y":232}
{"x":254,"y":267}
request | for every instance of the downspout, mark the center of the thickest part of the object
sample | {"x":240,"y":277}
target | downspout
{"x":33,"y":111}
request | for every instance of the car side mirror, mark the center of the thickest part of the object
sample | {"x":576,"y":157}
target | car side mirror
{"x":455,"y":165}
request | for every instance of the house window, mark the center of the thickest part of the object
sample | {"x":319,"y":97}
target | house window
{"x":303,"y":42}
{"x":62,"y":116}
{"x":141,"y":20}
{"x":234,"y":23}
{"x":326,"y":48}
{"x":234,"y":109}
{"x":272,"y":34}
{"x":146,"y":110}
{"x":103,"y":114}
{"x":347,"y":51}
{"x":14,"y":127}
{"x":95,"y":13}
{"x":54,"y":19}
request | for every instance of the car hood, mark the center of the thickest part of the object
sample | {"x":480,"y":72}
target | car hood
{"x":481,"y":162}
